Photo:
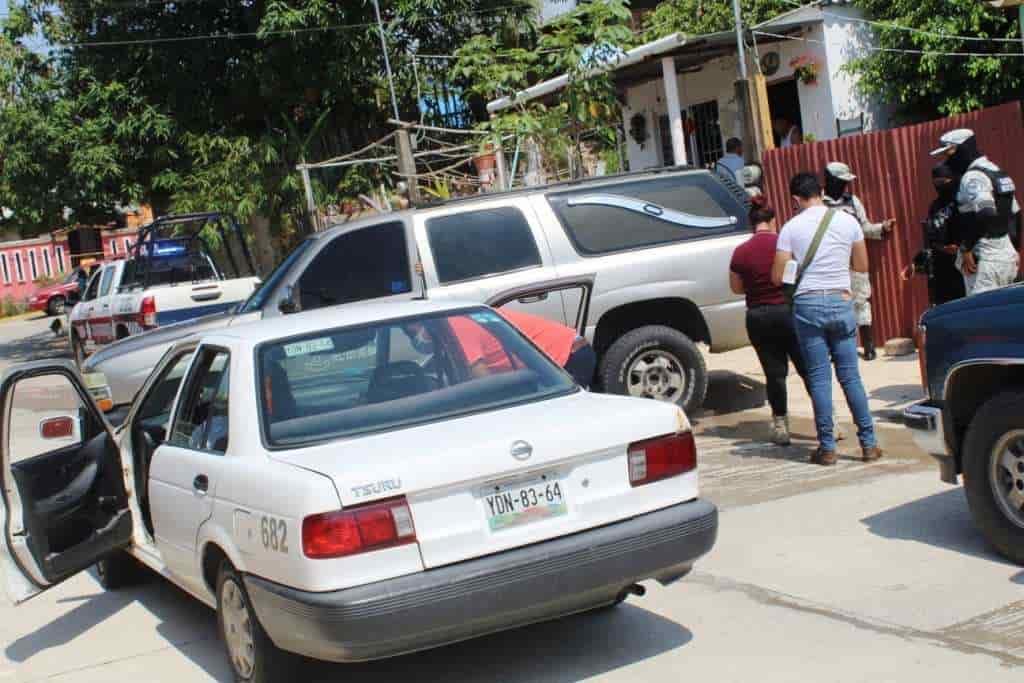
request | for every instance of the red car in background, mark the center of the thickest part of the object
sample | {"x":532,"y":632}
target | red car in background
{"x":55,"y":298}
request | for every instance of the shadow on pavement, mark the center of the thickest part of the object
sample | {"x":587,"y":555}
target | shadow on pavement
{"x":730,"y":392}
{"x":43,"y":345}
{"x":897,"y":394}
{"x":941,"y":520}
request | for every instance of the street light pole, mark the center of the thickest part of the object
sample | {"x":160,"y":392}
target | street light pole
{"x":740,"y":50}
{"x":387,"y":62}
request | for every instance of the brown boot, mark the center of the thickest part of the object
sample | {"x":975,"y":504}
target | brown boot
{"x":871,"y":454}
{"x":822,"y":457}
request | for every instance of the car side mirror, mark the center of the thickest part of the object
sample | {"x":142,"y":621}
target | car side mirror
{"x":289,"y":302}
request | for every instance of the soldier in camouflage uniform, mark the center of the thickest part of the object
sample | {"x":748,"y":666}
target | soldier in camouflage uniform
{"x":837,"y":180}
{"x":989,"y":215}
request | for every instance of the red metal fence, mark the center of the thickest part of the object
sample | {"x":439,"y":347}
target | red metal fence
{"x":894,"y":181}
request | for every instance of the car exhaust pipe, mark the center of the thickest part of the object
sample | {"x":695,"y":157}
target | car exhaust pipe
{"x":634,"y":589}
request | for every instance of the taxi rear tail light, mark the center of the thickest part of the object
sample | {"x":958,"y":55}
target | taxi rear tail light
{"x":358,"y":529}
{"x":661,"y":458}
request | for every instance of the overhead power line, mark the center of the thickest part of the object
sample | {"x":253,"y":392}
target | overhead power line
{"x":907,"y":51}
{"x":890,"y":26}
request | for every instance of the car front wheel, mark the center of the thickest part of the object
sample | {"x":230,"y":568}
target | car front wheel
{"x":993,"y":467}
{"x":254,"y":657}
{"x":656,"y":362}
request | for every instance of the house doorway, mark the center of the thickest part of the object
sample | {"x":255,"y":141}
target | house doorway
{"x":784,"y":103}
{"x":703,"y":136}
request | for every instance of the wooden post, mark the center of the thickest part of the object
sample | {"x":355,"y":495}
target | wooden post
{"x":499,"y":160}
{"x":307,"y":186}
{"x":762,"y":115}
{"x":407,"y":164}
{"x":675,"y":115}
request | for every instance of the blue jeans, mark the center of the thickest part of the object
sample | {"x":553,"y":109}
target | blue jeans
{"x":827,"y":329}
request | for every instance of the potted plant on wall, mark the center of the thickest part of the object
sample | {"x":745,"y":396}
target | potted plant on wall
{"x":805,"y":68}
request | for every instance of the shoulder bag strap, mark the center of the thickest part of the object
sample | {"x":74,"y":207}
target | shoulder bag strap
{"x":813,"y":249}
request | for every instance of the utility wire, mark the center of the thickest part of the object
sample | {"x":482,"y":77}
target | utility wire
{"x":889,"y":26}
{"x":896,"y":50}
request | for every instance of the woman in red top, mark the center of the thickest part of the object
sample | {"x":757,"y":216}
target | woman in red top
{"x":769,"y":318}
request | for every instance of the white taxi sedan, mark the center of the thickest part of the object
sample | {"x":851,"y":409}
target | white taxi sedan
{"x":353,"y":483}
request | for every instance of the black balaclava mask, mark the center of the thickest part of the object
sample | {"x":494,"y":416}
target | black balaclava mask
{"x":945,"y":190}
{"x":835,"y":187}
{"x":965,"y":154}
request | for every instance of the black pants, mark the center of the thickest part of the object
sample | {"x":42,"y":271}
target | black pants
{"x":581,"y":365}
{"x":946,"y":283}
{"x":771,"y":331}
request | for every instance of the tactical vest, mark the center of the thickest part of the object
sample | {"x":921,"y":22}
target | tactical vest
{"x":1003,"y":190}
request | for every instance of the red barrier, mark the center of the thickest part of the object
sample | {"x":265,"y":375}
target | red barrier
{"x":893,"y":171}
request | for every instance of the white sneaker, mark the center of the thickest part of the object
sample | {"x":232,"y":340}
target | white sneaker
{"x":780,"y":431}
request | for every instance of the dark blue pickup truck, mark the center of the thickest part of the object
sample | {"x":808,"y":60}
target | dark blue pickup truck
{"x":972,"y":361}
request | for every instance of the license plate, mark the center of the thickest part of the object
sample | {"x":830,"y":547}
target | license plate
{"x":512,"y":505}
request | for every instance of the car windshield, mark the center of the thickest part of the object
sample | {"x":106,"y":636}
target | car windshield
{"x":72,"y":276}
{"x":258,"y":298}
{"x":398,"y":373}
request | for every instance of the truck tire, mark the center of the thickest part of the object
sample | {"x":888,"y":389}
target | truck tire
{"x":993,"y":467}
{"x":55,"y":306}
{"x":253,"y":656}
{"x":656,"y":362}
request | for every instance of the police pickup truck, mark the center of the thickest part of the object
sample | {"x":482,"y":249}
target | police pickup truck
{"x":172,"y":275}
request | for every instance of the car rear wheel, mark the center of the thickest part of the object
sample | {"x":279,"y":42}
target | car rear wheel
{"x":56,"y":306}
{"x":254,"y":657}
{"x":656,"y":362}
{"x":993,"y":467}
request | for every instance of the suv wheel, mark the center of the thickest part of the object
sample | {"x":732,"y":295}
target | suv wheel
{"x":993,"y":466}
{"x":55,"y":306}
{"x":656,"y":362}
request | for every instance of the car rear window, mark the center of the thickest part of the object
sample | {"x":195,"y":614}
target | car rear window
{"x":644,"y":213}
{"x":389,"y":375}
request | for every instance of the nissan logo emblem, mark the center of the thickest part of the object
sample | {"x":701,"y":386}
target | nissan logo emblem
{"x":521,"y":450}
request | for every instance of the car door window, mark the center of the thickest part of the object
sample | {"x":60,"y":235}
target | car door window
{"x":201,"y":422}
{"x":482,"y":243}
{"x":93,"y":289}
{"x":47,"y":414}
{"x":105,"y":279}
{"x":369,"y":263}
{"x":155,"y":409}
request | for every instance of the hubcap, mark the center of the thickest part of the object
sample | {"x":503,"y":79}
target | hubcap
{"x":656,"y":374}
{"x":1006,"y":475}
{"x":237,"y":629}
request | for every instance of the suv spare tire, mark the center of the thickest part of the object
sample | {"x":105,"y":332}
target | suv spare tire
{"x":656,"y":362}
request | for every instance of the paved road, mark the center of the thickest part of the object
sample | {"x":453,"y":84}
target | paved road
{"x":852,"y":573}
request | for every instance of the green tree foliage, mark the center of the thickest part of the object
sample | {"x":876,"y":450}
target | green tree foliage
{"x":697,"y":17}
{"x":923,"y":84}
{"x":578,"y":44}
{"x":220,"y":120}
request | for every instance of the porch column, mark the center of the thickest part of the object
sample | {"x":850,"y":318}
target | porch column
{"x":675,"y":115}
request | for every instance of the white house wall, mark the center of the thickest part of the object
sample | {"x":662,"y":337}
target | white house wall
{"x":848,"y":40}
{"x":832,"y":44}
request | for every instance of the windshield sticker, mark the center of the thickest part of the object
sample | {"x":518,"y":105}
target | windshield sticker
{"x":485,"y":318}
{"x":304,"y":348}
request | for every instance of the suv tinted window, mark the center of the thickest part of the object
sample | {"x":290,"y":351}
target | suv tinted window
{"x":607,"y":218}
{"x":364,"y":264}
{"x":478,"y":243}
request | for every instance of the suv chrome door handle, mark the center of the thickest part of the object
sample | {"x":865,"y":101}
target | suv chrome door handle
{"x":201,"y":484}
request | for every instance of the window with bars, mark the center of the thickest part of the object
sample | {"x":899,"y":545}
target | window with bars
{"x":3,"y":267}
{"x":32,"y":267}
{"x":47,"y":268}
{"x":60,"y":259}
{"x":113,"y":247}
{"x":18,"y":267}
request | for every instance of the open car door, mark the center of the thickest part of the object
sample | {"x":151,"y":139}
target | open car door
{"x":65,"y":505}
{"x":575,"y":290}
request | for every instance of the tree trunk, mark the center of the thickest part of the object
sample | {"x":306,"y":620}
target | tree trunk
{"x":263,"y":243}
